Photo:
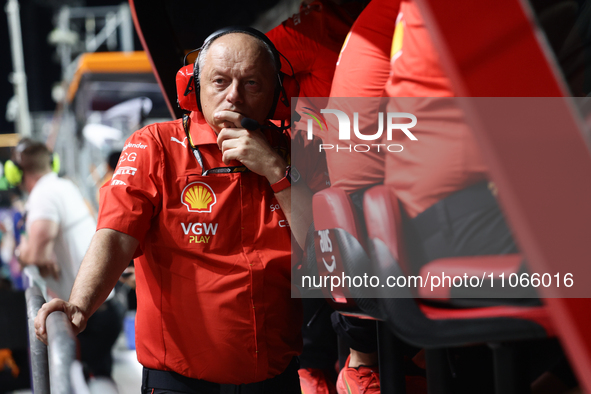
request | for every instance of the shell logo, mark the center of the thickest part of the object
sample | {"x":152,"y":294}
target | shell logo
{"x":198,"y":197}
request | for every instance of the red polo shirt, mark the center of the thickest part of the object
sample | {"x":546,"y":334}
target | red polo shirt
{"x":213,"y":272}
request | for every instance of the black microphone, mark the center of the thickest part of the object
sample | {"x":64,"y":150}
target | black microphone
{"x":250,"y":124}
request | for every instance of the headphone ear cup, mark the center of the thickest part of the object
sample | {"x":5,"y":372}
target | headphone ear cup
{"x":55,"y":163}
{"x":185,"y":88}
{"x":14,"y":175}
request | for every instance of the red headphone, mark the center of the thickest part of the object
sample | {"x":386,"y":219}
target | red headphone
{"x":187,"y":89}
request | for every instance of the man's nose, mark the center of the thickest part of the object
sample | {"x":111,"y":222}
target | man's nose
{"x":234,"y":95}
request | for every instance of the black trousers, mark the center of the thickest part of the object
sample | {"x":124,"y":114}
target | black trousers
{"x":467,"y":223}
{"x":164,"y":382}
{"x":357,"y":334}
{"x":101,"y":333}
{"x":320,"y":340}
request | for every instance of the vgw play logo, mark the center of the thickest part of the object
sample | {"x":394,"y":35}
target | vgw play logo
{"x":345,"y":130}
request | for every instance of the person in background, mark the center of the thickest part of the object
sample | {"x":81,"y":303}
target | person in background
{"x":111,"y":163}
{"x":59,"y":228}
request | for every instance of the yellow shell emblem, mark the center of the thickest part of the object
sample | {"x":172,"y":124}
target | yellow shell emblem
{"x":198,"y":197}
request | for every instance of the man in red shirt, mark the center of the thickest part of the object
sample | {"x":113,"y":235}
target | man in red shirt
{"x":206,"y":208}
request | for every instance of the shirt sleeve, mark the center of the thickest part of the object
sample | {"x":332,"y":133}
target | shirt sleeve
{"x":134,"y":195}
{"x":42,"y":206}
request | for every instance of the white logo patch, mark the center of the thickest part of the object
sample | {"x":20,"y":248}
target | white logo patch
{"x":131,"y":156}
{"x":125,"y":171}
{"x":179,"y":142}
{"x":332,"y":266}
{"x":130,"y":145}
{"x":325,"y":243}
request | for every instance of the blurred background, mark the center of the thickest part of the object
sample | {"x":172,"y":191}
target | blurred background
{"x":74,"y":74}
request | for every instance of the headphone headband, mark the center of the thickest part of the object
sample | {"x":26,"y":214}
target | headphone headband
{"x":187,"y":78}
{"x":245,"y":30}
{"x":254,"y":33}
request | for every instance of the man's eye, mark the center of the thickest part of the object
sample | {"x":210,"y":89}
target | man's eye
{"x":251,"y":83}
{"x":218,"y":81}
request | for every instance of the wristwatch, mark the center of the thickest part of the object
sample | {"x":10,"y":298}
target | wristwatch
{"x":292,"y":176}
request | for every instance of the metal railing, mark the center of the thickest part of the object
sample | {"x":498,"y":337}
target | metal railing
{"x":38,"y":350}
{"x":61,"y":348}
{"x":51,"y":365}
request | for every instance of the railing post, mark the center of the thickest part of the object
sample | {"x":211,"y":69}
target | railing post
{"x":39,"y":362}
{"x":62,"y":352}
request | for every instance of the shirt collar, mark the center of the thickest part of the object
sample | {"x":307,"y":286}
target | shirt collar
{"x":47,"y":176}
{"x":201,"y":131}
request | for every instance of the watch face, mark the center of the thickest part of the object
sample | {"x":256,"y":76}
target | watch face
{"x":294,"y":174}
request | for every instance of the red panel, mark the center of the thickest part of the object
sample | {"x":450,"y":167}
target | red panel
{"x":333,"y":209}
{"x":138,"y":29}
{"x":474,"y":265}
{"x":536,"y":314}
{"x":384,"y":221}
{"x":491,"y":48}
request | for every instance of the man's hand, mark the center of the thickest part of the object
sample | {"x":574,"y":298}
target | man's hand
{"x":252,"y":149}
{"x":109,"y":253}
{"x":38,"y":253}
{"x":73,"y":313}
{"x":37,"y":248}
{"x":49,"y":269}
{"x":248,"y":147}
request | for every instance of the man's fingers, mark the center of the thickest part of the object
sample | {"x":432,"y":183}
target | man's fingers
{"x":234,"y":149}
{"x":55,"y":271}
{"x":42,"y":271}
{"x":229,"y":116}
{"x":40,"y":328}
{"x":230,"y":134}
{"x":40,"y":319}
{"x":232,"y":154}
{"x":229,"y":144}
{"x":52,"y":270}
